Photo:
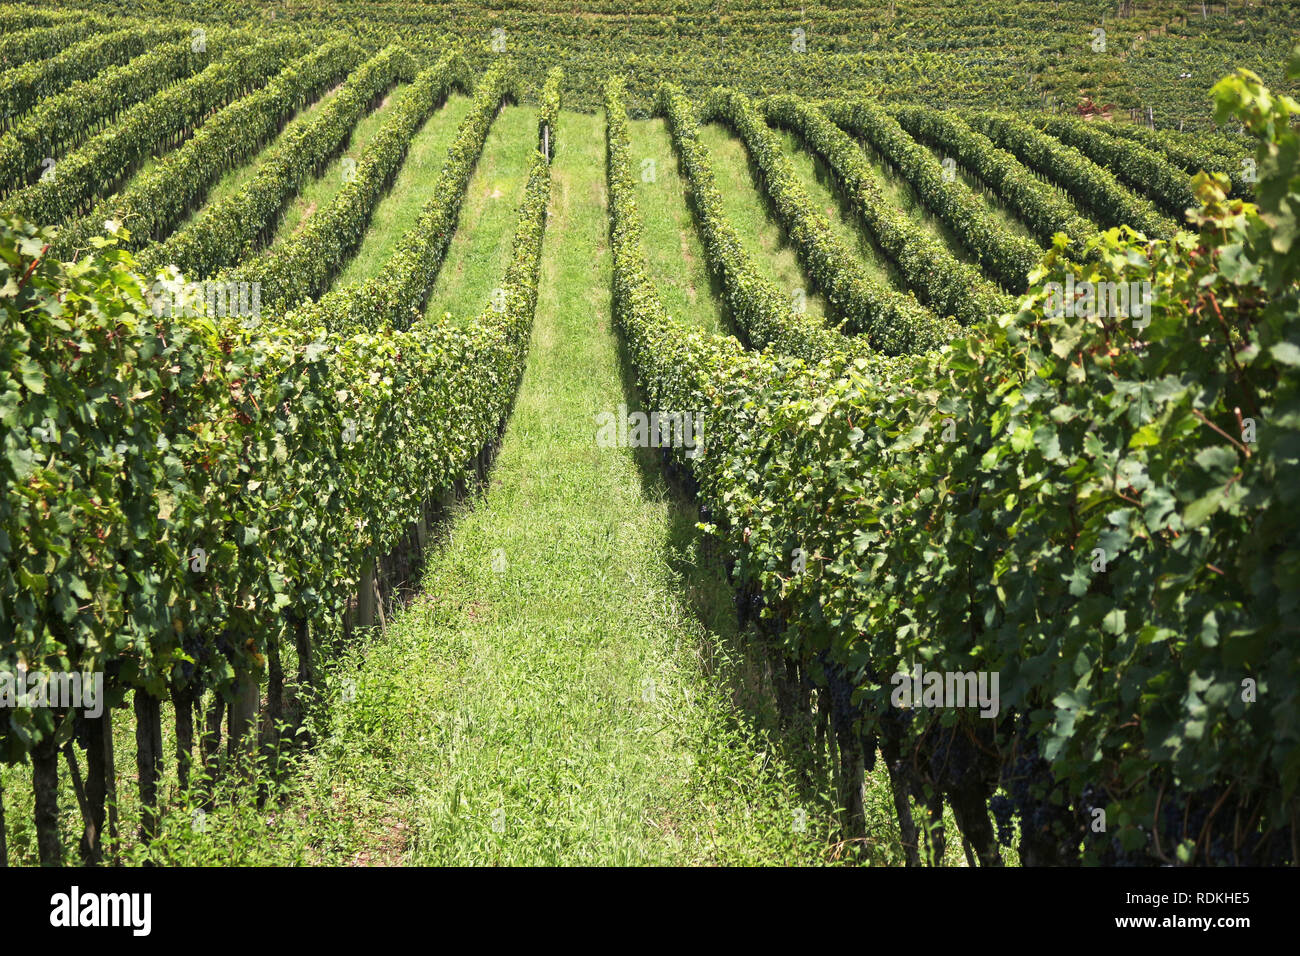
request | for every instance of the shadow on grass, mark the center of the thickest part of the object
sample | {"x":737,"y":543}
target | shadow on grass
{"x":834,"y":316}
{"x":869,"y":247}
{"x":736,"y":655}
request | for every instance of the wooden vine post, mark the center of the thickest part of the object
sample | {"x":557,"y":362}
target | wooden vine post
{"x":366,"y":595}
{"x":105,"y":744}
{"x":96,"y":789}
{"x":242,"y":723}
{"x":422,"y":528}
{"x":148,"y":758}
{"x":183,"y":698}
{"x":274,"y":694}
{"x":45,"y":792}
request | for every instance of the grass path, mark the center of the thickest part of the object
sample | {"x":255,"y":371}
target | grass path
{"x":819,"y":183}
{"x":747,"y":208}
{"x":559,"y":693}
{"x":902,"y":196}
{"x":568,"y":687}
{"x":401,"y":206}
{"x":235,"y":179}
{"x":674,"y":253}
{"x":319,"y":190}
{"x":479,"y":253}
{"x":992,"y":202}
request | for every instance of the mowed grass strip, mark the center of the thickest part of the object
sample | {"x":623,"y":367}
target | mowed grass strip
{"x":321,"y":189}
{"x":569,"y":687}
{"x":674,"y":254}
{"x":399,"y":210}
{"x":237,"y":178}
{"x":992,"y":202}
{"x":558,"y":695}
{"x":479,"y":253}
{"x":818,"y":182}
{"x":747,"y":208}
{"x":902,"y":196}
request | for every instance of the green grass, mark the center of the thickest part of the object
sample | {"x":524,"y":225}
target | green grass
{"x":399,"y":210}
{"x":235,"y":179}
{"x":320,"y":190}
{"x":479,"y":253}
{"x":236,"y":831}
{"x":570,"y":684}
{"x":747,"y":209}
{"x":674,"y":254}
{"x":1000,"y":210}
{"x":817,"y":180}
{"x":901,"y":194}
{"x":558,"y":694}
{"x":231,"y":182}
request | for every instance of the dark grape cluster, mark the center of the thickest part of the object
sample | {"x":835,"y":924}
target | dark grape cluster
{"x":683,"y":477}
{"x":1001,"y":807}
{"x":1049,"y":830}
{"x":200,"y":653}
{"x":1126,"y":858}
{"x":897,"y":719}
{"x":951,"y":756}
{"x":843,"y":711}
{"x":1219,"y":831}
{"x":1091,"y":799}
{"x":1025,"y":770}
{"x":729,"y":566}
{"x":749,"y":604}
